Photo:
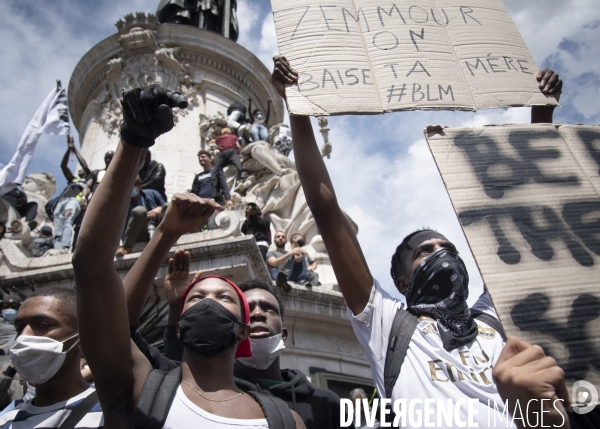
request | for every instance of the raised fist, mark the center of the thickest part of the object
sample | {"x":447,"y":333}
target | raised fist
{"x":147,"y":113}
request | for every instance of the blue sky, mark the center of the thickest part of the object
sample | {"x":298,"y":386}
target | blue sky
{"x":384,"y":175}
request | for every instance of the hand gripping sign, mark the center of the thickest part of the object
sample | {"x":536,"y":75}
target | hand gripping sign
{"x":375,"y":56}
{"x":528,"y":200}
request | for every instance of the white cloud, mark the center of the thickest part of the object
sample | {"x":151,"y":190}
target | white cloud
{"x":248,"y":13}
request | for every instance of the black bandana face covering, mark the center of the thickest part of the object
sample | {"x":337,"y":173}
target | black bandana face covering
{"x":208,"y":328}
{"x":439,"y":288}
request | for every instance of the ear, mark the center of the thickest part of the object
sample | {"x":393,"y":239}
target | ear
{"x":284,"y":334}
{"x":401,"y":284}
{"x":243,"y":332}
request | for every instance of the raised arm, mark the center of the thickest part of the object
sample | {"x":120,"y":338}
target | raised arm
{"x":268,"y":112}
{"x":549,"y":84}
{"x":185,"y":213}
{"x":65,"y":161}
{"x":106,"y":340}
{"x":79,"y":157}
{"x":349,"y":264}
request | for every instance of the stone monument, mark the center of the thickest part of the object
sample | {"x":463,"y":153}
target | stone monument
{"x":213,"y":72}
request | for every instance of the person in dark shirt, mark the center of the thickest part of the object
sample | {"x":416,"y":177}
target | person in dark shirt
{"x":43,"y":243}
{"x":18,"y":199}
{"x":146,"y":204}
{"x":259,"y":226}
{"x":211,"y":183}
{"x":236,"y":116}
{"x":153,"y":175}
{"x":229,"y":147}
{"x":66,"y":208}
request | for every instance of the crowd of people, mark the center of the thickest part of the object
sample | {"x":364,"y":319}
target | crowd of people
{"x":148,"y":196}
{"x":221,"y":365}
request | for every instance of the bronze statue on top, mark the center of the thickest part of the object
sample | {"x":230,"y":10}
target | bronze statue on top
{"x":213,"y":15}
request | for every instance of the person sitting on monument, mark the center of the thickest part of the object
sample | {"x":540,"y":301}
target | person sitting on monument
{"x":446,"y":332}
{"x":258,"y":129}
{"x":295,"y":266}
{"x":230,"y":148}
{"x":214,"y":313}
{"x":47,"y":353}
{"x":10,"y":307}
{"x":28,"y":210}
{"x":211,"y":183}
{"x":153,"y":175}
{"x":43,"y":243}
{"x":146,"y":205}
{"x":236,"y":116}
{"x":259,"y":226}
{"x":64,"y":209}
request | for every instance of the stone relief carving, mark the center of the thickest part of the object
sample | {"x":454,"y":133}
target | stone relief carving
{"x":142,"y":61}
{"x":272,"y":183}
{"x":138,"y":38}
{"x":171,"y":66}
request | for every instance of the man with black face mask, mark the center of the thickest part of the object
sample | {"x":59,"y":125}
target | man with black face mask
{"x":214,"y":314}
{"x":47,"y":353}
{"x":449,"y":355}
{"x":261,"y":372}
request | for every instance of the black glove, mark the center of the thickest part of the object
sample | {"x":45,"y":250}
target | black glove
{"x":147,"y":113}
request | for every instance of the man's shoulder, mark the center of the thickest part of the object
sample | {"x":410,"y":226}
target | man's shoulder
{"x":275,"y":253}
{"x":326,"y":395}
{"x":151,"y":193}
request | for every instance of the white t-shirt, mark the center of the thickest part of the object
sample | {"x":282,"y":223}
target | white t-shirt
{"x":184,"y":414}
{"x":428,"y":370}
{"x":28,"y":416}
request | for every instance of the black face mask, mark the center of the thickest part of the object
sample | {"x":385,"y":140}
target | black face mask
{"x":208,"y":328}
{"x":439,"y":287}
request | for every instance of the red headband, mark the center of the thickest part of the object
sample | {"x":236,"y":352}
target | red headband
{"x":243,"y":348}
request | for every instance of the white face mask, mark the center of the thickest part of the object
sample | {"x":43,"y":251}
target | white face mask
{"x":264,"y":352}
{"x":38,"y":359}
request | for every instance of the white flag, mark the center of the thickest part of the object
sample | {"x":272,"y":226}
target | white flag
{"x":52,"y":117}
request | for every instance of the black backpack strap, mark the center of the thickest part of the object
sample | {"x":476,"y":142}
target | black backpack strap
{"x":156,"y":399}
{"x":491,"y":321}
{"x":402,"y":331}
{"x":80,"y":411}
{"x":277,"y":412}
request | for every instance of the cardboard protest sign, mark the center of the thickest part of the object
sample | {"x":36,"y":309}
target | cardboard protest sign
{"x":528,"y":200}
{"x":375,"y":56}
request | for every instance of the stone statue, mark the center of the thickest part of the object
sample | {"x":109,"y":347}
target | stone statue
{"x":208,"y":15}
{"x":272,"y":182}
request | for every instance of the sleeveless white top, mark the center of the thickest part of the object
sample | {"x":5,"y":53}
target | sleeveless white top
{"x":184,"y":414}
